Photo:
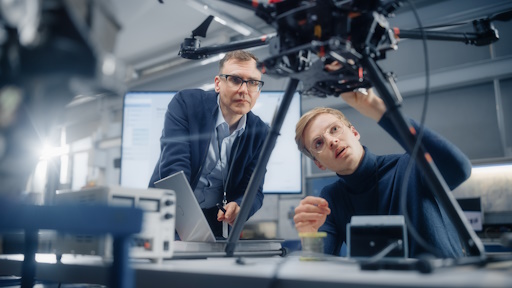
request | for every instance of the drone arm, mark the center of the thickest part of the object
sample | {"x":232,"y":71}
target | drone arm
{"x":486,"y":35}
{"x":191,"y":52}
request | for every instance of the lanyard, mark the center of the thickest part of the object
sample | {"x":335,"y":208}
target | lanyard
{"x":225,"y":180}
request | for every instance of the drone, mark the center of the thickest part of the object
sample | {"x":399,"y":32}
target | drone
{"x":354,"y":34}
{"x":311,"y":34}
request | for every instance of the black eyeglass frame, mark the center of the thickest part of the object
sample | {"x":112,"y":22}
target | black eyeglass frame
{"x":260,"y":83}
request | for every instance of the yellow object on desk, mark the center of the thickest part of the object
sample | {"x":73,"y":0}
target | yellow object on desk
{"x":312,"y":246}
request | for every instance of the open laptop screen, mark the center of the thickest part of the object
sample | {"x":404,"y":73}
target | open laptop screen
{"x":191,"y":224}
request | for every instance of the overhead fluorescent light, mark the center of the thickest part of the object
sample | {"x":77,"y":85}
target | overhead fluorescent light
{"x":493,"y":169}
{"x":213,"y":59}
{"x":235,"y":26}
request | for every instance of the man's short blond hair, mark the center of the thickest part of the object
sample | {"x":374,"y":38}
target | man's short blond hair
{"x":308,"y":117}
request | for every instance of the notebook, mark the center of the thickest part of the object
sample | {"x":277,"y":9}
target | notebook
{"x":191,"y":224}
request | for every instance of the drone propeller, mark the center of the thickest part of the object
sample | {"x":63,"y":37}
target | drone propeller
{"x":190,"y":45}
{"x":504,"y":16}
{"x":201,"y":29}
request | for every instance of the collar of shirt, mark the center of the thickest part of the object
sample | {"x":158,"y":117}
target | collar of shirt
{"x":224,"y":127}
{"x":209,"y":190}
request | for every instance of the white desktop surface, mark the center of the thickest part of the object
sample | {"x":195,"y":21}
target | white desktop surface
{"x":275,"y":271}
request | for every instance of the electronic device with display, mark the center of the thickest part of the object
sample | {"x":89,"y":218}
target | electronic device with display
{"x":383,"y":235}
{"x":154,"y":242}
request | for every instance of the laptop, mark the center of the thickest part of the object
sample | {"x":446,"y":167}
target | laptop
{"x":195,"y":232}
{"x":191,"y":224}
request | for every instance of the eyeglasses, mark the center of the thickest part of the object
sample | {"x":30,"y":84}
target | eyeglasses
{"x":318,"y":144}
{"x":237,"y":82}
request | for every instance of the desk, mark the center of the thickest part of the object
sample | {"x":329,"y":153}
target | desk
{"x":263,"y":272}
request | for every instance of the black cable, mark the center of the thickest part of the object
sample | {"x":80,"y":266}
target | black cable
{"x":403,"y":197}
{"x":398,"y":244}
{"x":279,"y":265}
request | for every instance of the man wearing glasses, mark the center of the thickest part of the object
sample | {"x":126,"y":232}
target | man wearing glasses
{"x":216,"y":140}
{"x":370,"y":184}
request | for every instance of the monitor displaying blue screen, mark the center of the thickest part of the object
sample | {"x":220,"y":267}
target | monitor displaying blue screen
{"x":143,"y":120}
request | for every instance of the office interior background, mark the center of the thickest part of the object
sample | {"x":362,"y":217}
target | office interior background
{"x":470,"y":101}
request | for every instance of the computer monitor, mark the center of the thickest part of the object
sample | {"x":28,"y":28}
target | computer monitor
{"x":143,"y":120}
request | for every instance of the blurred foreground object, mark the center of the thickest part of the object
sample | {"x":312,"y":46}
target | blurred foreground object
{"x":50,"y":52}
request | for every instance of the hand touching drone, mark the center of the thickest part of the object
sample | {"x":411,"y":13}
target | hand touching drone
{"x":363,"y":100}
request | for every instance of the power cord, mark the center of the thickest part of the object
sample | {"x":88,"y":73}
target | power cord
{"x":398,"y":244}
{"x":378,"y":262}
{"x":403,"y":197}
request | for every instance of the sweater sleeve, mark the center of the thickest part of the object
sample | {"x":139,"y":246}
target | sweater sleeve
{"x":335,"y":237}
{"x":452,"y":163}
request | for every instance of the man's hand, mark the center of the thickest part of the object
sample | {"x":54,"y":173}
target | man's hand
{"x":232,"y":210}
{"x":311,"y":214}
{"x":368,"y":104}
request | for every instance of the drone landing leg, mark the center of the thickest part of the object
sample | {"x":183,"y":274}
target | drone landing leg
{"x":261,"y":166}
{"x":472,"y":243}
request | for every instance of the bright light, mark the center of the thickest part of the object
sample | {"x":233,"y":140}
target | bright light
{"x":505,"y":169}
{"x":46,"y":258}
{"x":109,"y":65}
{"x":212,"y":59}
{"x":64,"y":166}
{"x":233,"y":25}
{"x":221,"y":21}
{"x":49,"y":151}
{"x":39,"y":178}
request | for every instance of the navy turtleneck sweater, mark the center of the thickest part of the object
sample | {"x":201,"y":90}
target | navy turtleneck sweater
{"x":375,"y":188}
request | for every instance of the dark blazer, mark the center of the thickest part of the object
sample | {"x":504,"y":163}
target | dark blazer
{"x":189,"y":123}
